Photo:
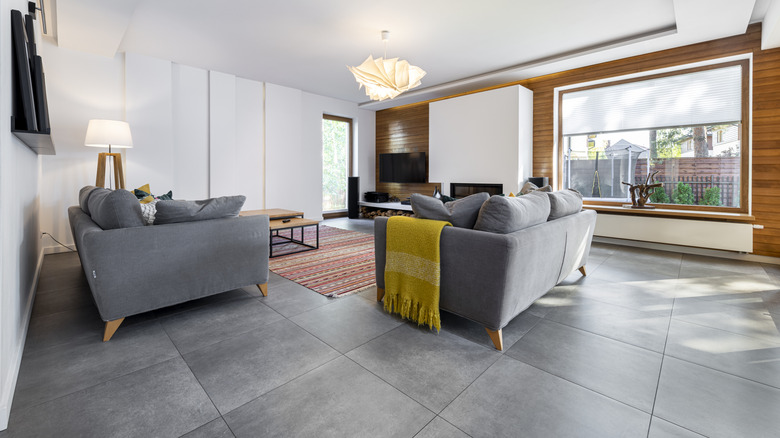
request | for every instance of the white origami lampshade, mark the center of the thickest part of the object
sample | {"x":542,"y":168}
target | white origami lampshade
{"x":386,"y":78}
{"x":108,"y":133}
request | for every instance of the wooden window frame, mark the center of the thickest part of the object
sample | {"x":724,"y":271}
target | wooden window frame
{"x":744,"y":168}
{"x":350,"y":169}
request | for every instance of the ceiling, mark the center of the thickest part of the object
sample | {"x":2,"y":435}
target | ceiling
{"x":462,"y":44}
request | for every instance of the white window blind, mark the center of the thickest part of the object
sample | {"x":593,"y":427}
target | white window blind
{"x":702,"y":98}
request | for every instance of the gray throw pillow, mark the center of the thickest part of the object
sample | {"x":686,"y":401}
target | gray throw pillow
{"x":564,"y":203}
{"x":528,"y":188}
{"x":84,"y":197}
{"x":503,"y":214}
{"x":112,"y":209}
{"x":428,"y":207}
{"x":174,"y":211}
{"x":460,"y":213}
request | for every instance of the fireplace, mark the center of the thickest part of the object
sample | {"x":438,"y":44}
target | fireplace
{"x":461,"y":190}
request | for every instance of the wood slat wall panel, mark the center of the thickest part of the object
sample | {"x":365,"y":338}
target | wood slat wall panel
{"x":403,"y":129}
{"x":766,"y":115}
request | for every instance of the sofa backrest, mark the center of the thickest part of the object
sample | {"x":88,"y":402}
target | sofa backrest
{"x":111,"y":209}
{"x":505,"y":214}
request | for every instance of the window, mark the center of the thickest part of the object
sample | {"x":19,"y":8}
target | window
{"x":682,"y":129}
{"x":336,"y":161}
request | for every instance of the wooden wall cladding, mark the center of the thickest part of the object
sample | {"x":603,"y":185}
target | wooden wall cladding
{"x":403,"y":129}
{"x":765,"y":117}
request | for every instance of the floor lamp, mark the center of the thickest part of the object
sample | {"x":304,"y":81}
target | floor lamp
{"x":109,"y":133}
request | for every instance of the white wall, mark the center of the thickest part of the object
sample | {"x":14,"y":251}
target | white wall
{"x":482,"y":138}
{"x":19,"y":227}
{"x":294,"y":146}
{"x":190,"y":132}
{"x":79,"y":87}
{"x":149,"y":111}
{"x":250,"y":150}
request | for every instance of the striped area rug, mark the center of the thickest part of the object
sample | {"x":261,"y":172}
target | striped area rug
{"x":343,"y":265}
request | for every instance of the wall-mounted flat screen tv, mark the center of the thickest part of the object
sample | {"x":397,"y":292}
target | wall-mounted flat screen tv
{"x":402,"y":168}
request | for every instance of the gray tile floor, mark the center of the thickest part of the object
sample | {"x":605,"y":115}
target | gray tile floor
{"x":651,"y":344}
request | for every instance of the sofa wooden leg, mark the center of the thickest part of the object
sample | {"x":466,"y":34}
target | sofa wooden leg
{"x":111,"y":327}
{"x":263,"y":289}
{"x":380,"y":293}
{"x":497,"y":338}
{"x":582,"y":270}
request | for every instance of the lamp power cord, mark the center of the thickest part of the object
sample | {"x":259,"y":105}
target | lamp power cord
{"x":44,"y":233}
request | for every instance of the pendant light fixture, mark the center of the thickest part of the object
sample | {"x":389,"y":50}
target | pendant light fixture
{"x":386,"y":78}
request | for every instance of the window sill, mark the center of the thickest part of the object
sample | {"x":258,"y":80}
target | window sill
{"x":670,"y":213}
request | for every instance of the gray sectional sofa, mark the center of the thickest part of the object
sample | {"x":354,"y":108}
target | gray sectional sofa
{"x":502,"y":258}
{"x":132,"y":268}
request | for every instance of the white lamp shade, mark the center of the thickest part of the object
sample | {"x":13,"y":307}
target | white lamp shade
{"x":105,"y":133}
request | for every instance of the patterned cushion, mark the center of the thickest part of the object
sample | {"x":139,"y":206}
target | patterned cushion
{"x":148,"y":211}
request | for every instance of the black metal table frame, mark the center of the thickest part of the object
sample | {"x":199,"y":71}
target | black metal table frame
{"x":292,"y":239}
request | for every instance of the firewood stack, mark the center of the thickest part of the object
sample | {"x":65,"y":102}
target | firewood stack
{"x":370,"y":213}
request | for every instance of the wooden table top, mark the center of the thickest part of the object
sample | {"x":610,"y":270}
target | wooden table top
{"x":278,"y":224}
{"x":273,"y":213}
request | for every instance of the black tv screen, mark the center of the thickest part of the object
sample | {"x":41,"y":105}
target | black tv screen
{"x":402,"y":168}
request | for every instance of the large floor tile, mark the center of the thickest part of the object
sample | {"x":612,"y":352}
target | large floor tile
{"x":53,"y":372}
{"x":428,"y":367}
{"x":339,"y":399}
{"x":163,"y":400}
{"x":62,"y":300}
{"x":206,"y":325}
{"x":62,"y":327}
{"x":745,"y":321}
{"x":703,"y":266}
{"x":61,"y":263}
{"x":716,"y":404}
{"x":626,"y":373}
{"x":214,"y":429}
{"x":747,"y":357}
{"x":663,"y":429}
{"x":635,"y":327}
{"x":244,"y":367}
{"x":234,"y":294}
{"x":474,"y":332}
{"x":438,"y":428}
{"x":515,"y":399}
{"x":290,"y":298}
{"x":66,"y":280}
{"x":715,"y":286}
{"x":347,"y":323}
{"x":640,"y":295}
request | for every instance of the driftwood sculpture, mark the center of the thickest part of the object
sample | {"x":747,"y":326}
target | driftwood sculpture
{"x":640,"y":193}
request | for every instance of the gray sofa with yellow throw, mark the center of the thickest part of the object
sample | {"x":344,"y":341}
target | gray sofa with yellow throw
{"x":502,"y":253}
{"x":194,"y":249}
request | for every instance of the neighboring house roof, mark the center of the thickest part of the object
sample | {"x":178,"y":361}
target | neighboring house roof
{"x":623,"y":147}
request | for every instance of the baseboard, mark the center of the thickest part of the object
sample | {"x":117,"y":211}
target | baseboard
{"x":7,"y":397}
{"x":690,"y":250}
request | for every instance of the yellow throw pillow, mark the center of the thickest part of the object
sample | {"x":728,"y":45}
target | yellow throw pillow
{"x":145,"y":188}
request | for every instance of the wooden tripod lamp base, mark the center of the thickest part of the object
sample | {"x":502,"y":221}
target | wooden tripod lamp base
{"x":119,"y":174}
{"x":107,"y":133}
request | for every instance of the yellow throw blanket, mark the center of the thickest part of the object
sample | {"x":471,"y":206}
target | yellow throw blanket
{"x":413,"y":269}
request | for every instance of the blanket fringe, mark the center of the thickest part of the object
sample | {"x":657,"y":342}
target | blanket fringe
{"x":413,"y":311}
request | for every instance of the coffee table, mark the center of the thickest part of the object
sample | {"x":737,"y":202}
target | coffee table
{"x":281,"y":220}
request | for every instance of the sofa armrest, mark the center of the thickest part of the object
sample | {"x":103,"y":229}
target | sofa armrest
{"x":133,"y":270}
